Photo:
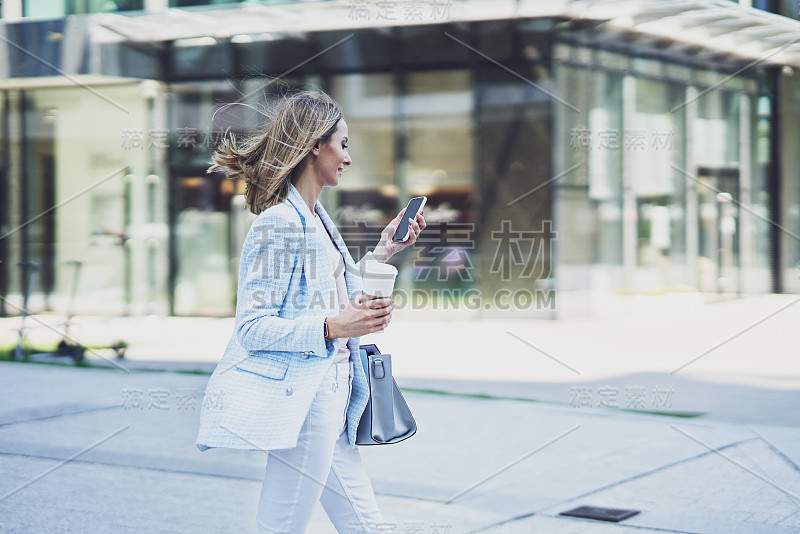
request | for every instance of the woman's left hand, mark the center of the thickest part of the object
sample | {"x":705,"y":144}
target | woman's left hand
{"x":386,"y":247}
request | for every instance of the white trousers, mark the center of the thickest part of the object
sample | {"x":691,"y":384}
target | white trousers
{"x":323,"y":468}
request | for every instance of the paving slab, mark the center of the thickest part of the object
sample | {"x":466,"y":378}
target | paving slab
{"x":79,"y":454}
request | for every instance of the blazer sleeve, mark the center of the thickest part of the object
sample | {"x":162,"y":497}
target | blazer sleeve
{"x":275,"y":247}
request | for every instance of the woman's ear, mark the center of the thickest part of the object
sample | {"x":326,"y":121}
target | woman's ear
{"x":315,"y":149}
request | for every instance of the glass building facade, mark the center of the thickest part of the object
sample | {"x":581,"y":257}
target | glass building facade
{"x":568,"y":171}
{"x":668,"y":166}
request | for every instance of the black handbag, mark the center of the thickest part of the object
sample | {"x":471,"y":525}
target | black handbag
{"x":387,"y":418}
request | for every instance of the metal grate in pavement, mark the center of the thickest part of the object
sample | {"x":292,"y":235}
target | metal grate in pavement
{"x":615,"y":515}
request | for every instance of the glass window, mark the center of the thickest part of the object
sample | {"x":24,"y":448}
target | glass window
{"x":606,"y":139}
{"x":734,"y":134}
{"x":428,"y":45}
{"x":14,"y":210}
{"x":438,"y":133}
{"x":366,"y":198}
{"x":198,"y":58}
{"x":438,"y":107}
{"x":756,"y":231}
{"x":621,"y":209}
{"x":90,"y":158}
{"x":5,"y":208}
{"x":589,"y":150}
{"x":369,"y":105}
{"x":790,"y":184}
{"x":652,"y":144}
{"x":413,"y":145}
{"x":210,"y":217}
{"x":513,"y":199}
{"x":273,"y":54}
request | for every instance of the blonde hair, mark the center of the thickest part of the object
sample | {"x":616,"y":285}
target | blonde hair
{"x":266,"y":160}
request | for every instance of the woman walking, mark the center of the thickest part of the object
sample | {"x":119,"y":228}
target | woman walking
{"x":287,"y":383}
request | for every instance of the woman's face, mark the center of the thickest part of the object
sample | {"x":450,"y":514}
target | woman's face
{"x":333,"y":156}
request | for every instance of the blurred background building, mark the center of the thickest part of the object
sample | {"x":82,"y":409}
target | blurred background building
{"x":603,"y":150}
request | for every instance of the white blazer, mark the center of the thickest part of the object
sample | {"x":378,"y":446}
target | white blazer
{"x":261,"y":390}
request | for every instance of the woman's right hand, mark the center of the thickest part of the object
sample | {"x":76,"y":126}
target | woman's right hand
{"x":361,"y":316}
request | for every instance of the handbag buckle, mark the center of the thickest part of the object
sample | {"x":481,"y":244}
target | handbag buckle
{"x":376,"y":364}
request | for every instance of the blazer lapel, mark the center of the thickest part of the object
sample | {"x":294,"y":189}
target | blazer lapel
{"x":300,"y":206}
{"x":351,"y":274}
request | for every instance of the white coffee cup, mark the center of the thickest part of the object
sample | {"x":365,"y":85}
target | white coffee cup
{"x":378,"y":279}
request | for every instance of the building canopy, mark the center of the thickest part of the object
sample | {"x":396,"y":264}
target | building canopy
{"x":713,"y":31}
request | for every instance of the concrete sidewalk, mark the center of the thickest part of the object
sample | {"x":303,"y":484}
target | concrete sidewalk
{"x":103,"y":450}
{"x":750,"y":341}
{"x":735,"y":361}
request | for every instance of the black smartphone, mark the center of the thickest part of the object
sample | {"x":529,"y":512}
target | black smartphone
{"x":414,"y":206}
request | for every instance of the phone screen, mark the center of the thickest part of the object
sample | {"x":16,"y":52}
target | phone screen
{"x":411,"y":211}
